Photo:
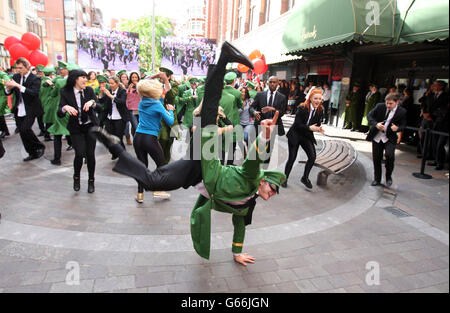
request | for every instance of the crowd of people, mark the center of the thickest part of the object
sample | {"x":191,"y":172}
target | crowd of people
{"x":108,"y":46}
{"x":187,"y":52}
{"x":143,"y":108}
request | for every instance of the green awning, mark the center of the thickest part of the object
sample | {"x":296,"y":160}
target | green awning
{"x":423,"y":20}
{"x":317,"y":23}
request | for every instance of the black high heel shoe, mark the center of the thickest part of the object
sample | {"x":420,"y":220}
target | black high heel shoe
{"x":91,"y":187}
{"x":234,"y":55}
{"x":76,"y":183}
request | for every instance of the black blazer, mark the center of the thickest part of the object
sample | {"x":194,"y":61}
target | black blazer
{"x":279,"y":103}
{"x":68,"y":98}
{"x":300,"y":129}
{"x":121,"y":104}
{"x":378,"y":115}
{"x":30,"y":97}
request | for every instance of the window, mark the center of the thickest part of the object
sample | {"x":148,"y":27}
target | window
{"x":252,"y":17}
{"x":196,"y":27}
{"x":291,"y":4}
{"x":267,"y":13}
{"x":71,"y":53}
{"x":12,"y":12}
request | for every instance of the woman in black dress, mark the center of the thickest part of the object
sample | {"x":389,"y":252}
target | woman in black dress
{"x":307,"y":121}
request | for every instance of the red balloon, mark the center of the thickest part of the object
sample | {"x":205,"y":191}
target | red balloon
{"x":242,"y":68}
{"x":37,"y":57}
{"x":31,"y":41}
{"x":18,"y":50}
{"x":259,"y":66}
{"x":10,"y":41}
{"x":12,"y":62}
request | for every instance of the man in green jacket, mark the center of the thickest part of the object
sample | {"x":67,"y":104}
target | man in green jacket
{"x":228,"y":189}
{"x":353,"y":110}
{"x":372,"y":99}
{"x":233,"y":113}
{"x":4,"y":108}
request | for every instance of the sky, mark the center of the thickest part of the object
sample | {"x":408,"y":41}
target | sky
{"x":133,"y":9}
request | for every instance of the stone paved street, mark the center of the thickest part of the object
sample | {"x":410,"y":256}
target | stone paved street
{"x":303,"y":241}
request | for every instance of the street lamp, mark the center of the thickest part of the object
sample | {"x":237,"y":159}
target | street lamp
{"x":51,"y":19}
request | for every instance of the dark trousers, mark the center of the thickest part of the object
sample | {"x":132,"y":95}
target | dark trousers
{"x":179,"y":174}
{"x":116,"y":128}
{"x":29,"y":139}
{"x":144,"y":145}
{"x":377,"y":155}
{"x":326,"y":106}
{"x":3,"y":125}
{"x":310,"y":151}
{"x":438,"y":143}
{"x":2,"y":150}
{"x":84,"y":146}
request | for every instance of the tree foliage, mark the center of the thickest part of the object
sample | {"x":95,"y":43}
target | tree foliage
{"x":144,"y":27}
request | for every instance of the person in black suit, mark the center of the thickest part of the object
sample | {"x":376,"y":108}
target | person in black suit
{"x":26,"y":86}
{"x":79,"y":101}
{"x":386,"y":120}
{"x":308,"y":120}
{"x":114,"y":102}
{"x":2,"y":150}
{"x":266,"y":103}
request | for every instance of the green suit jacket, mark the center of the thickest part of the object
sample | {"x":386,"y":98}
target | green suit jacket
{"x":234,"y":114}
{"x":224,"y":183}
{"x":59,"y":126}
{"x":370,"y":105}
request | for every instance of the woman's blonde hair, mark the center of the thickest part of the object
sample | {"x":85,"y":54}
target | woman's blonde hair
{"x":220,"y":112}
{"x":117,"y":81}
{"x":150,"y":88}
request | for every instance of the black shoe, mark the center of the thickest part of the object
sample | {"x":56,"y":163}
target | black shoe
{"x":69,"y":148}
{"x":306,"y":182}
{"x":40,"y":153}
{"x":284,"y":185}
{"x":389,"y":182}
{"x":375,"y":183}
{"x":233,"y":55}
{"x":104,"y":137}
{"x":30,"y":158}
{"x":91,"y":187}
{"x":56,"y":162}
{"x":439,"y":168}
{"x":76,"y":183}
{"x":432,"y":163}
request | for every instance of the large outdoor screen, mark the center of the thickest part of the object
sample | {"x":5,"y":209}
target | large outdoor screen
{"x":101,"y":49}
{"x":188,"y":56}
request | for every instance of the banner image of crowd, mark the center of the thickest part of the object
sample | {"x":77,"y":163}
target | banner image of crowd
{"x":107,"y":49}
{"x":188,"y":56}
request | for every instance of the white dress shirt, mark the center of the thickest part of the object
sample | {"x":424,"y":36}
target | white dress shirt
{"x":381,"y":136}
{"x":115,"y":115}
{"x":21,"y":108}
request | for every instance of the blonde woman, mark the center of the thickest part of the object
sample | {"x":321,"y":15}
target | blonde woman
{"x":151,"y":112}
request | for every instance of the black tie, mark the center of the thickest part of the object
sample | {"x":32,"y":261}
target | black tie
{"x":312,"y":116}
{"x":84,"y":114}
{"x":386,"y":119}
{"x":271,"y":99}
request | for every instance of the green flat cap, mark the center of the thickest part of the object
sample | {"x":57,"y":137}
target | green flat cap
{"x":102,"y":79}
{"x":142,"y":70}
{"x":276,"y":178}
{"x":250,"y":84}
{"x":62,"y":64}
{"x":166,"y":70}
{"x":193,"y":80}
{"x":230,"y":77}
{"x":40,"y":68}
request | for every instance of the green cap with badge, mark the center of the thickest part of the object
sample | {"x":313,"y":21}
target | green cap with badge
{"x":193,"y":80}
{"x":48,"y":70}
{"x":40,"y":68}
{"x":62,"y":64}
{"x":102,"y":79}
{"x":250,"y":84}
{"x":230,"y":77}
{"x":166,"y":70}
{"x":72,"y":66}
{"x":121,"y":72}
{"x":275,"y":179}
